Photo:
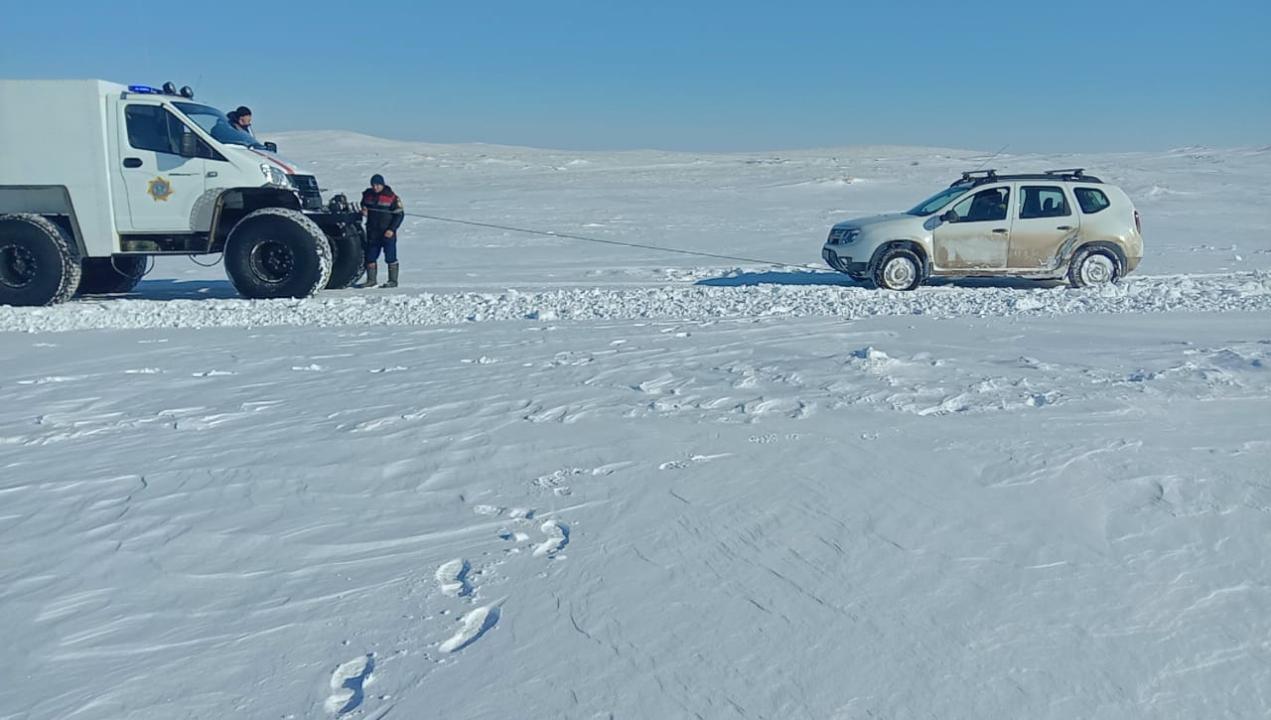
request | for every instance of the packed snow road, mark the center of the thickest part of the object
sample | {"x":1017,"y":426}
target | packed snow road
{"x":735,"y":294}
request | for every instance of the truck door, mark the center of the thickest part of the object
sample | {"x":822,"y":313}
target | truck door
{"x":160,"y":171}
{"x":978,"y":238}
{"x":1045,"y":223}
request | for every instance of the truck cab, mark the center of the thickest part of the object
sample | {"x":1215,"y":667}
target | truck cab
{"x":123,"y":173}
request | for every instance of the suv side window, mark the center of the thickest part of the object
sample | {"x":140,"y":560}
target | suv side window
{"x":984,"y":206}
{"x":151,"y":127}
{"x":1091,"y":200}
{"x":1043,"y":202}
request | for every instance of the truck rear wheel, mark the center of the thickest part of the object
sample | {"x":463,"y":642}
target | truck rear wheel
{"x":348,"y":259}
{"x":111,"y":276}
{"x":38,"y":265}
{"x":277,"y":253}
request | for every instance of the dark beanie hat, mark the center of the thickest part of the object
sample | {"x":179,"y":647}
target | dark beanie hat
{"x":378,"y":179}
{"x":243,"y":110}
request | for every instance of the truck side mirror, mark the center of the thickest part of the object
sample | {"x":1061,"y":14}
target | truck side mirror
{"x":950,"y":216}
{"x":271,"y":147}
{"x":189,"y":145}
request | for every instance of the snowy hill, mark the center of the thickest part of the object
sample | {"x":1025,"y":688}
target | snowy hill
{"x":552,"y":479}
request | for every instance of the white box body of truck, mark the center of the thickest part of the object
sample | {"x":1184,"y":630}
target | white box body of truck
{"x":118,"y":174}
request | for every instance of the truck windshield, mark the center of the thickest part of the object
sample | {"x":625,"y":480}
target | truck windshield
{"x":939,"y":200}
{"x":216,"y":123}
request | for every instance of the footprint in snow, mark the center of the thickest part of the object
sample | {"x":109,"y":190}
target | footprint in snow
{"x":473,"y":625}
{"x":452,"y":577}
{"x":693,"y":460}
{"x":557,"y":538}
{"x":347,"y":683}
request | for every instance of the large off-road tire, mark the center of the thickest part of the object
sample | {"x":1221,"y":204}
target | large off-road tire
{"x":898,"y":268}
{"x":111,"y":276}
{"x":277,"y":253}
{"x":348,"y":256}
{"x":1093,"y":266}
{"x":38,"y":262}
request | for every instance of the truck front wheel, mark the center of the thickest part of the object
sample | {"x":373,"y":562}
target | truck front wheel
{"x":37,"y":263}
{"x":277,"y":253}
{"x":111,"y":276}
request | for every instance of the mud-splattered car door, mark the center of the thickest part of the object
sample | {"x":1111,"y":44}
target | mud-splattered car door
{"x":975,"y":234}
{"x":1045,"y":222}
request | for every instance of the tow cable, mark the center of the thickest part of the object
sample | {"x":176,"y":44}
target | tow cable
{"x":603,"y":241}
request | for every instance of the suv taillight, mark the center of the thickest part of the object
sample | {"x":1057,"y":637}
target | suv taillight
{"x":1138,"y":222}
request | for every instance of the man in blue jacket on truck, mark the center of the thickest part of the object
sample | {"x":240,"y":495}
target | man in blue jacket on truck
{"x":384,"y":214}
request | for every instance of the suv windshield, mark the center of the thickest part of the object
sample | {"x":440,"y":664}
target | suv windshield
{"x":216,"y":123}
{"x":939,"y":200}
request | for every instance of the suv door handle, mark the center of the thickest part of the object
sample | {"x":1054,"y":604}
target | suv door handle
{"x":211,"y":173}
{"x":1000,"y":231}
{"x":132,"y":162}
{"x":1064,"y":227}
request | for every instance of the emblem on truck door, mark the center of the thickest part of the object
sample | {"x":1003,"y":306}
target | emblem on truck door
{"x":159,"y":189}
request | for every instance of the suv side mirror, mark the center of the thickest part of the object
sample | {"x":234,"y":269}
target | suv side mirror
{"x":950,"y":217}
{"x":271,"y":147}
{"x":189,"y":145}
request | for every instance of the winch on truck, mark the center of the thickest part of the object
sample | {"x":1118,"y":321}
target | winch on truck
{"x":96,"y":178}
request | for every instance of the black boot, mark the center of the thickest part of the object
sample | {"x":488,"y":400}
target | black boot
{"x":392,"y":276}
{"x":370,"y":277}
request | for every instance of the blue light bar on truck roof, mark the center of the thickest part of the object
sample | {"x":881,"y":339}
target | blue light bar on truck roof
{"x":168,"y":89}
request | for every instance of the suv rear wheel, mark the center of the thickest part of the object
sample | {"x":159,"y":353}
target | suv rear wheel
{"x":1092,"y":267}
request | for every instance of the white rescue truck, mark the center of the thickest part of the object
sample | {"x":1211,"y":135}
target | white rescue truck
{"x":96,"y":178}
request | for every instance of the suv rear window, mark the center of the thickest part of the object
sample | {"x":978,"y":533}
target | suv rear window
{"x":1091,"y":200}
{"x":1043,"y":202}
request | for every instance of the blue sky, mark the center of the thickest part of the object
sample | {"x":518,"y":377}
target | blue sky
{"x":1057,"y":75}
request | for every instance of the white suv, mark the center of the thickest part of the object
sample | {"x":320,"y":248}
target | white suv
{"x":1061,"y":224}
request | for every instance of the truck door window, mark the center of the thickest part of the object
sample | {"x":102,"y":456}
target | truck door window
{"x":151,"y":127}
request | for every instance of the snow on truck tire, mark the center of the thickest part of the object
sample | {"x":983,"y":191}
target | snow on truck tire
{"x":38,"y":263}
{"x":277,"y":253}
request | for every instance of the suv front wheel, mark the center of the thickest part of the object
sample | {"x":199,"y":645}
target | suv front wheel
{"x":898,"y":269}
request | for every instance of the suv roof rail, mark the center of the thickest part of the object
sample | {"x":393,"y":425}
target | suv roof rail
{"x":980,"y":177}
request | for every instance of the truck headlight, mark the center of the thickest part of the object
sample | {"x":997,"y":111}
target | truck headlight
{"x":275,"y":177}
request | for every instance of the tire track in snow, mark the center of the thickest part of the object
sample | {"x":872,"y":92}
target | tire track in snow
{"x":1248,"y":292}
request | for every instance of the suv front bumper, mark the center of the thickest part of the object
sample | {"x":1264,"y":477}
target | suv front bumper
{"x":843,"y":263}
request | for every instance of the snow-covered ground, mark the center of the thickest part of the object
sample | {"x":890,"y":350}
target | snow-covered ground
{"x":545,"y":479}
